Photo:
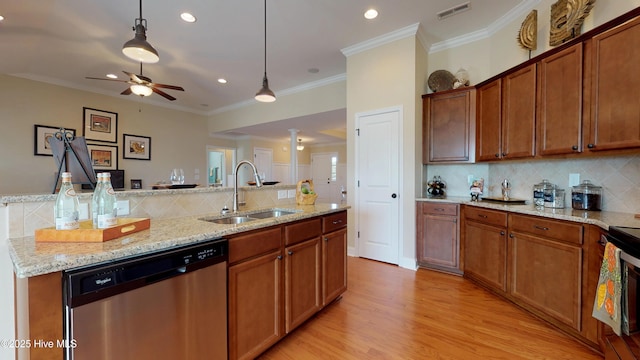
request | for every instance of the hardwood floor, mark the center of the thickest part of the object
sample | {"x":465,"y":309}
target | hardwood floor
{"x":394,"y":313}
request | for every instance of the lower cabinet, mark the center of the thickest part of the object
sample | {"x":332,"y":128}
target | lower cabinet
{"x":281,"y":276}
{"x":438,"y":236}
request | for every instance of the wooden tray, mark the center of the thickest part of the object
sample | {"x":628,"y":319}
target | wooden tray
{"x":511,"y":201}
{"x":87,"y":233}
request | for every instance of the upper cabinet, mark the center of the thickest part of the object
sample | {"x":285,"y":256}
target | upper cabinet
{"x":507,"y":116}
{"x":449,"y":126}
{"x":615,"y":109}
{"x":559,"y":118}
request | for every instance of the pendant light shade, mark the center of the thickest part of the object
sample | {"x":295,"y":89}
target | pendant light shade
{"x":138,"y":48}
{"x":300,"y":147}
{"x":265,"y":94}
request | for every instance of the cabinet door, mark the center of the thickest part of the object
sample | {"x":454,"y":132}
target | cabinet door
{"x":560,"y":102}
{"x":439,"y":245}
{"x":255,"y":306}
{"x":485,"y":254}
{"x":448,"y":126}
{"x":615,"y":109}
{"x":519,"y":113}
{"x":548,"y":276}
{"x":334,"y":265}
{"x":303,"y":295}
{"x":489,"y":121}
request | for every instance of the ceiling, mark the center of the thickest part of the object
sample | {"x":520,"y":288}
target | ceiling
{"x":64,"y":41}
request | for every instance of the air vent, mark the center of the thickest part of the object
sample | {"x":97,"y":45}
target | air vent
{"x":454,"y":10}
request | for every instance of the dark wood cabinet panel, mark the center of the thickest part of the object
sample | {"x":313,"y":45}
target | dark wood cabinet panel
{"x":489,"y":121}
{"x":548,"y":276}
{"x":485,"y":255}
{"x":559,"y":118}
{"x":615,"y":109}
{"x":438,"y":237}
{"x":449,"y":126}
{"x":302,"y":282}
{"x":519,"y":113}
{"x":334,"y":265}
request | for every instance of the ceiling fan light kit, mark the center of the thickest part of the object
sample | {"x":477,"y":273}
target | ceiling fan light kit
{"x":139,"y":48}
{"x":141,"y":90}
{"x":265,"y":94}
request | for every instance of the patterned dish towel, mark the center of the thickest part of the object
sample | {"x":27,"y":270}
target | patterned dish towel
{"x":607,"y":304}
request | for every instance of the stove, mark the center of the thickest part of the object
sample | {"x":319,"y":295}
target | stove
{"x":626,"y":239}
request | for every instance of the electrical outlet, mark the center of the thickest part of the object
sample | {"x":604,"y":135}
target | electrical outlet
{"x":282,"y":194}
{"x":83,"y":211}
{"x":291,"y":194}
{"x":123,"y":207}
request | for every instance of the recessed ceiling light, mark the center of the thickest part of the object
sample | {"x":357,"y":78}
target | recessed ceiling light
{"x":188,"y":17}
{"x":371,"y":14}
{"x":112,"y":76}
{"x":1,"y":17}
{"x":222,"y":81}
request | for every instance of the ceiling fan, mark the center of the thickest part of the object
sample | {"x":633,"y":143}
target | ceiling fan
{"x":142,"y":85}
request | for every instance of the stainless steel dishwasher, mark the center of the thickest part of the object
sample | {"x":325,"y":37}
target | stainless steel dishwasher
{"x":166,"y":305}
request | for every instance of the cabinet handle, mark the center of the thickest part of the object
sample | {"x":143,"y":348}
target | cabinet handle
{"x":497,"y":155}
{"x":279,"y":257}
{"x":504,"y":154}
{"x":574,"y":148}
{"x":290,"y":252}
{"x":603,"y":240}
{"x":541,"y":227}
{"x":591,"y":146}
{"x":482,"y":216}
{"x":326,"y":239}
{"x":336,"y":222}
{"x":511,"y":235}
{"x":502,"y":233}
{"x":438,"y":209}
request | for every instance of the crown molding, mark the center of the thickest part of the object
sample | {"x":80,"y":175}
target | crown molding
{"x":399,"y":34}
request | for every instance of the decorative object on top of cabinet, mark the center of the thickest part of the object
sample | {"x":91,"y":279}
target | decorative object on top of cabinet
{"x":528,"y":34}
{"x":566,"y":19}
{"x":462,"y":78}
{"x":440,"y":80}
{"x":436,"y":187}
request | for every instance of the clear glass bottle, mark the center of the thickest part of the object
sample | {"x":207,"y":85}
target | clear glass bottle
{"x":94,"y":200}
{"x":538,"y":192}
{"x":107,"y":205}
{"x":586,"y":196}
{"x":67,"y":205}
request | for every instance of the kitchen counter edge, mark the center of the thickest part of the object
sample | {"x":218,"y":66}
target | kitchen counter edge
{"x":31,"y":258}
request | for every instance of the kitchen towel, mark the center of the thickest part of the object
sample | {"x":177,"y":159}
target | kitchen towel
{"x":607,"y":304}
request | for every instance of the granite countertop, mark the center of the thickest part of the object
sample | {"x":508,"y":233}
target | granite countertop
{"x":32,"y":259}
{"x":603,"y":219}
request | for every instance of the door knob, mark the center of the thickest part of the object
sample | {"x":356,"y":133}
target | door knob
{"x":393,"y":196}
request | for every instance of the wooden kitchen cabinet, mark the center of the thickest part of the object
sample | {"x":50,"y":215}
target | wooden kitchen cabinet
{"x":303,"y":290}
{"x":506,"y":116}
{"x":485,"y":247}
{"x":559,"y":118}
{"x":448,"y":126}
{"x":438,"y":236}
{"x":256,"y":291}
{"x":615,"y":86}
{"x":545,"y":266}
{"x":334,"y":256}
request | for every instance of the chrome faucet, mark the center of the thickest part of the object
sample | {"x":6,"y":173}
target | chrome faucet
{"x":235,"y":183}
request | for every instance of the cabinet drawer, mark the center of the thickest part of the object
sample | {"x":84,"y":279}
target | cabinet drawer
{"x":302,"y":230}
{"x":334,"y":221}
{"x":255,"y":243}
{"x":438,"y":208}
{"x":485,"y":216}
{"x":554,"y":229}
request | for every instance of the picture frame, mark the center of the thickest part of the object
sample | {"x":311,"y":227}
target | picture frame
{"x":42,"y":133}
{"x":136,"y":147}
{"x":103,"y":157}
{"x":100,"y":125}
{"x":136,"y":184}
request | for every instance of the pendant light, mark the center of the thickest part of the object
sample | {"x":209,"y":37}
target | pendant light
{"x":138,"y":48}
{"x":265,"y":94}
{"x":300,"y":147}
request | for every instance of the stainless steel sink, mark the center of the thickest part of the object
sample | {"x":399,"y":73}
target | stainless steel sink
{"x":230,"y":220}
{"x":270,"y":214}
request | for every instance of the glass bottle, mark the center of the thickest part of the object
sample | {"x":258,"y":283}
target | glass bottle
{"x":67,"y":205}
{"x":94,"y":199}
{"x":107,"y":205}
{"x":538,"y":192}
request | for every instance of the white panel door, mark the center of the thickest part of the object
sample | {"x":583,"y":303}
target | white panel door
{"x":377,"y":185}
{"x":323,"y":174}
{"x":263,"y":159}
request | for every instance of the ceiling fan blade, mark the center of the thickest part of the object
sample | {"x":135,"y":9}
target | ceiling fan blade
{"x":162,"y":93}
{"x":133,"y":77}
{"x":95,"y":78}
{"x":172,"y":87}
{"x":126,"y":91}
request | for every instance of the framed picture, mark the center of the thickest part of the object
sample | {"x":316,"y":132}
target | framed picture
{"x":136,"y":147}
{"x":136,"y":183}
{"x":100,"y":125}
{"x":41,"y":140}
{"x":103,"y":157}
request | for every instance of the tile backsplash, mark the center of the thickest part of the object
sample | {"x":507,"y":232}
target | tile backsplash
{"x":619,"y":177}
